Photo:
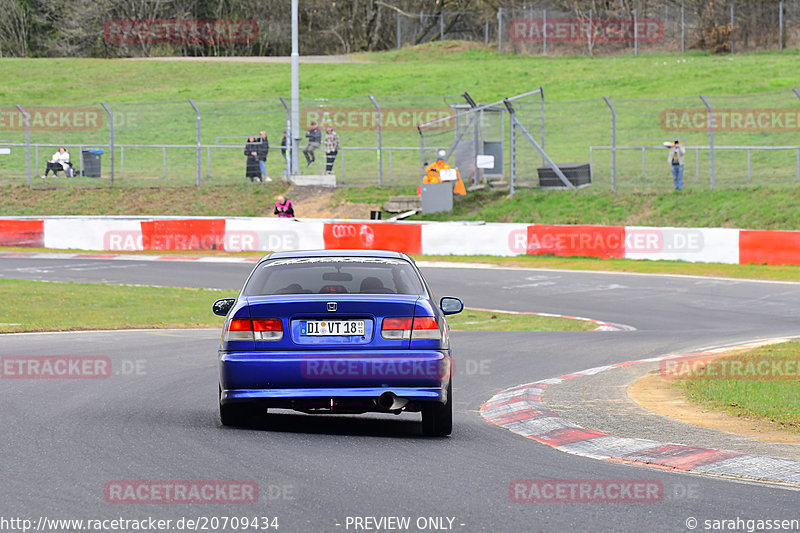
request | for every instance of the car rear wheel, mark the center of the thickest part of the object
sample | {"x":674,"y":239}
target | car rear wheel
{"x":437,"y":418}
{"x":234,"y":414}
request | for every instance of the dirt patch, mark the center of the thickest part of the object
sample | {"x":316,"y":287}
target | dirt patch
{"x":657,"y":395}
{"x":317,"y":202}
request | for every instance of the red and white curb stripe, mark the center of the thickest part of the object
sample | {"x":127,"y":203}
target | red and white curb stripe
{"x":521,"y":410}
{"x":601,"y":326}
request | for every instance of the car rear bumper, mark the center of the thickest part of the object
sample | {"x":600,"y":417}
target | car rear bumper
{"x":419,"y":375}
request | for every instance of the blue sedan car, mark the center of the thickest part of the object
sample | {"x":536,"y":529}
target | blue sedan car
{"x":337,"y":331}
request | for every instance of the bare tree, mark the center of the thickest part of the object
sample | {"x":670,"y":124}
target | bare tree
{"x":13,"y":29}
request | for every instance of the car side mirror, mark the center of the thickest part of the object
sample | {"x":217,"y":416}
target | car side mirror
{"x":221,"y":307}
{"x":451,"y":306}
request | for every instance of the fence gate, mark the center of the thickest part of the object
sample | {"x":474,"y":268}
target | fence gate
{"x":474,"y":140}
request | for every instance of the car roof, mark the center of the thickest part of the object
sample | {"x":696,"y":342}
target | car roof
{"x":336,"y":253}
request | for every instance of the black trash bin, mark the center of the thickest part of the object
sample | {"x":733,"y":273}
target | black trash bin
{"x":375,"y":215}
{"x":92,"y":162}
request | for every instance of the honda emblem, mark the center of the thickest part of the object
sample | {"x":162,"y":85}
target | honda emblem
{"x":331,"y":306}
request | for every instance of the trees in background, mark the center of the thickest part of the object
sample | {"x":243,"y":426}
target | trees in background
{"x":61,"y":28}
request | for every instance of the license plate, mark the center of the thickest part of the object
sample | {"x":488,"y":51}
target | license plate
{"x":324,"y":328}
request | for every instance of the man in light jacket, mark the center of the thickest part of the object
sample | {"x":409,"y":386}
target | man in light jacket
{"x":675,"y":159}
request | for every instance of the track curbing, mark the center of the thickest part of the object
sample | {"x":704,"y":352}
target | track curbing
{"x":521,"y":410}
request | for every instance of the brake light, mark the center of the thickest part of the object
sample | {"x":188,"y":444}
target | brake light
{"x":261,"y":329}
{"x":398,"y":328}
{"x":425,"y":327}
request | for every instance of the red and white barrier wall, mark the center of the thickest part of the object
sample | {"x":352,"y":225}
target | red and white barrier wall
{"x":116,"y":234}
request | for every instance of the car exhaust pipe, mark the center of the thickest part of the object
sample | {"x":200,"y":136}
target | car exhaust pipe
{"x":389,"y":402}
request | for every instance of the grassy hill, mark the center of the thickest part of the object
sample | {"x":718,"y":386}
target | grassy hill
{"x":237,"y":97}
{"x":442,"y":68}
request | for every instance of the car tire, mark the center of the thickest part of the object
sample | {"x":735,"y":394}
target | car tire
{"x":437,"y":418}
{"x":233,"y":414}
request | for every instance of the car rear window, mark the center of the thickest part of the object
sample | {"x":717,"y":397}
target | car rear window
{"x":334,"y":275}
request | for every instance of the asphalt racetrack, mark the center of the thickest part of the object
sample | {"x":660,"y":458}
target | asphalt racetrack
{"x":155,"y":417}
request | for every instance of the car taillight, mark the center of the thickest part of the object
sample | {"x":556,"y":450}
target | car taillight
{"x":425,"y":327}
{"x":398,"y":328}
{"x":260,"y":329}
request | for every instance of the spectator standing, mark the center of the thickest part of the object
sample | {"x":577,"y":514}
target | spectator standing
{"x":283,"y":207}
{"x":314,"y":136}
{"x":675,"y":159}
{"x":59,"y":161}
{"x":263,"y":151}
{"x":331,"y":148}
{"x":252,"y":170}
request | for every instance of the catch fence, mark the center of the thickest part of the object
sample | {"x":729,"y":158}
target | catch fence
{"x":731,"y":141}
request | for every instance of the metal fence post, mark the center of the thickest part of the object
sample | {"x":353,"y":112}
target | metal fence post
{"x":26,"y":116}
{"x":541,"y":92}
{"x":512,"y":151}
{"x":589,"y":34}
{"x":380,"y":143}
{"x":499,"y":30}
{"x":732,"y":40}
{"x":197,"y":127}
{"x":613,"y":143}
{"x":683,"y":31}
{"x":635,"y":35}
{"x":544,"y":32}
{"x":399,"y":43}
{"x":441,"y":25}
{"x":749,"y":174}
{"x":644,"y":168}
{"x":697,"y":165}
{"x":780,"y":25}
{"x":289,"y":144}
{"x":710,"y":139}
{"x":110,"y":138}
{"x":421,"y":151}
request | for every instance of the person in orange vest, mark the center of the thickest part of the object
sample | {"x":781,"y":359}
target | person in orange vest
{"x":432,"y":175}
{"x":432,"y":170}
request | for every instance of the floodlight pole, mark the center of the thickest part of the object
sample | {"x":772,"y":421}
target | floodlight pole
{"x":295,"y":166}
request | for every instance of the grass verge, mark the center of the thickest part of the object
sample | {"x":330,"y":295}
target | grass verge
{"x":61,"y":306}
{"x":57,"y":306}
{"x":773,"y":395}
{"x":746,"y":208}
{"x":756,"y":272}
